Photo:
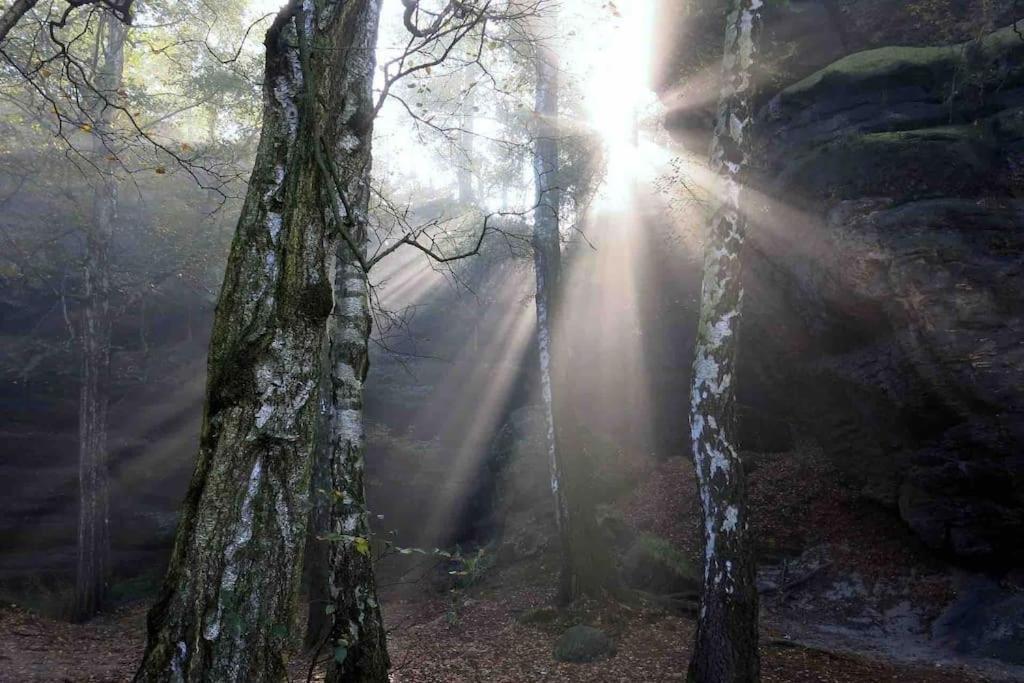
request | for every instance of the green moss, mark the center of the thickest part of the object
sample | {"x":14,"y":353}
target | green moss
{"x":937,"y":134}
{"x":666,"y":553}
{"x":898,"y":63}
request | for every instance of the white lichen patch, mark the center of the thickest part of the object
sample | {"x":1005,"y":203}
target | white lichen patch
{"x":731,"y":519}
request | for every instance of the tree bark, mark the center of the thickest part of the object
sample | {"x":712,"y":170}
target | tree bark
{"x":357,"y":639}
{"x":226,"y":610}
{"x":93,"y":550}
{"x":725,"y":647}
{"x":344,"y":615}
{"x":13,"y":14}
{"x":547,"y":267}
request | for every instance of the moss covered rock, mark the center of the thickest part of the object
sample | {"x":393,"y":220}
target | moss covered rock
{"x":654,"y":565}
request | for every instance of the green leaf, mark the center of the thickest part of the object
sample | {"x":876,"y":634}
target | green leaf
{"x":330,"y":609}
{"x":362,"y":545}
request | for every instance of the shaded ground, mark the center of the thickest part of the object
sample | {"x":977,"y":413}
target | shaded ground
{"x":852,"y":596}
{"x":476,"y":637}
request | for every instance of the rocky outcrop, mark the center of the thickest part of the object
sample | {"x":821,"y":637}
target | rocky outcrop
{"x":885,"y":279}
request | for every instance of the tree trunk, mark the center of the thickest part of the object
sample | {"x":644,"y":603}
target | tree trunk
{"x":226,"y":610}
{"x":344,"y":617}
{"x":725,"y":650}
{"x":357,"y":638}
{"x":466,"y":139}
{"x":93,"y":566}
{"x":547,"y":265}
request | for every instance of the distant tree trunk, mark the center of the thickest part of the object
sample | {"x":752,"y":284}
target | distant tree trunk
{"x":93,"y":567}
{"x":726,"y":640}
{"x":547,"y":265}
{"x":226,"y":611}
{"x":466,"y":139}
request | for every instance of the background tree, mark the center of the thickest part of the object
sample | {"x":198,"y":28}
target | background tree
{"x":547,"y":267}
{"x":71,"y":74}
{"x":94,"y":505}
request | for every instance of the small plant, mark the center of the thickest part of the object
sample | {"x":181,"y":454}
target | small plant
{"x":472,"y":568}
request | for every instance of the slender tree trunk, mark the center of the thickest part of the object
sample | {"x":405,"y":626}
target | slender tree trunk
{"x":93,"y":567}
{"x":466,"y":139}
{"x":357,"y":638}
{"x":547,"y":265}
{"x":726,"y":640}
{"x":226,"y":611}
{"x":344,"y":617}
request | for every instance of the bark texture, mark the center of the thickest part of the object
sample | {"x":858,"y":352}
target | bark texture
{"x":726,"y":640}
{"x":93,"y":561}
{"x":547,"y":266}
{"x":357,"y":638}
{"x":226,"y":611}
{"x":352,"y":630}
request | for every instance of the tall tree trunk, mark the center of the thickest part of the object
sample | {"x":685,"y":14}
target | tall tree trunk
{"x":226,"y":610}
{"x":547,"y":265}
{"x":344,"y":616}
{"x":726,"y":640}
{"x":466,"y":138}
{"x":93,"y":566}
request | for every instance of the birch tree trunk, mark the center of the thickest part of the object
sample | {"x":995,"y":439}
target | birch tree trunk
{"x":725,"y":650}
{"x":351,"y":626}
{"x":93,"y":550}
{"x":356,"y":638}
{"x":547,"y":266}
{"x":226,"y":610}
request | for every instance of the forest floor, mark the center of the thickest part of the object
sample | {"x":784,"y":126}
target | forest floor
{"x":473,"y":636}
{"x":854,"y":597}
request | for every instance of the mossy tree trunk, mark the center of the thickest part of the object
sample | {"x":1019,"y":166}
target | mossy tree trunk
{"x":93,"y":549}
{"x":725,"y":650}
{"x":226,"y":611}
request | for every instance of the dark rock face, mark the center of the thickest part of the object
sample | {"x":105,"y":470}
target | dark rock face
{"x":582,"y":644}
{"x":885,"y":276}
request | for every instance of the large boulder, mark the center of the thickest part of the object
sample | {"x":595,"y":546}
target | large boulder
{"x":653,"y":565}
{"x":884,"y":285}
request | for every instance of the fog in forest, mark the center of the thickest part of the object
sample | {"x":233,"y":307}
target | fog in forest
{"x":511,"y":340}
